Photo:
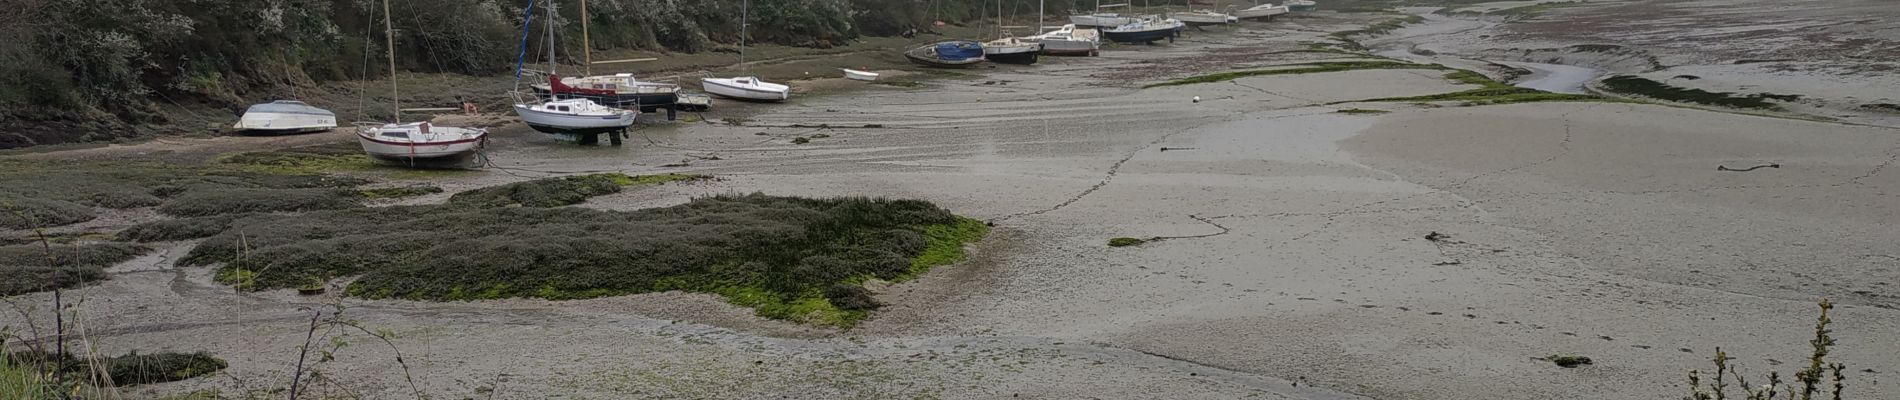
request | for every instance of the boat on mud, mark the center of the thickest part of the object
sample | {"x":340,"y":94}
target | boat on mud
{"x":857,"y":75}
{"x":416,"y":140}
{"x":1011,"y":50}
{"x":1070,"y":40}
{"x":419,"y":141}
{"x":581,"y":118}
{"x":745,"y":87}
{"x":285,"y":117}
{"x":1266,"y":11}
{"x":1202,"y":18}
{"x":617,"y":90}
{"x":1149,"y":29}
{"x":1301,"y":5}
{"x":1102,"y":19}
{"x":947,"y":54}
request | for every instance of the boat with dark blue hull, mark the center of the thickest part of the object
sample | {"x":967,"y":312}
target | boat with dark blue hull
{"x":1147,"y":30}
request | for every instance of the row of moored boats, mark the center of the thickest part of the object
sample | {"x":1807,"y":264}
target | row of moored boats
{"x":586,"y":107}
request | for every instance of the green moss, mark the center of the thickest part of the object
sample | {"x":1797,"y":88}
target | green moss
{"x":1304,"y":68}
{"x":1125,"y":242}
{"x":545,"y":192}
{"x":1657,"y":90}
{"x":1568,"y":361}
{"x":129,"y":369}
{"x":304,"y":160}
{"x":200,"y":203}
{"x":944,"y":245}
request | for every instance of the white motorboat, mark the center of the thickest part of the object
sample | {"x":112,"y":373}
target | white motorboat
{"x":853,"y":74}
{"x":419,"y":140}
{"x":747,"y":88}
{"x":1070,"y":40}
{"x":577,"y":116}
{"x":1267,"y":11}
{"x":415,"y":140}
{"x":1201,"y":18}
{"x":285,"y":116}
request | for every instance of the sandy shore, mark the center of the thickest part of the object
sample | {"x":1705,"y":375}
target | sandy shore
{"x":1298,"y":267}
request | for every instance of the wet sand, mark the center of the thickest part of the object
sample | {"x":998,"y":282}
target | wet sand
{"x":1296,"y":265}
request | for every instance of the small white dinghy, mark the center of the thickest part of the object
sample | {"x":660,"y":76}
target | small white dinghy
{"x":859,"y":75}
{"x":285,"y":116}
{"x":419,"y":140}
{"x":747,"y":88}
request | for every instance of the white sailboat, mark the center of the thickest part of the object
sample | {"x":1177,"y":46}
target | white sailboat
{"x":1264,"y":10}
{"x":285,"y":116}
{"x":573,"y":116}
{"x":415,"y":140}
{"x":1070,"y":40}
{"x":1102,"y":19}
{"x":746,"y":87}
{"x":1009,"y":50}
{"x":1203,"y":17}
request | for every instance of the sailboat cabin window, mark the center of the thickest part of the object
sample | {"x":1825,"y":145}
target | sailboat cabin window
{"x":560,"y":108}
{"x":395,"y":134}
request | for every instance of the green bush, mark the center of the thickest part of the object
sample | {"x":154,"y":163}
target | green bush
{"x":126,"y":370}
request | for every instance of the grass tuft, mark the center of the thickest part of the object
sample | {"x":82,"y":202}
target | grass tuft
{"x":1568,"y":361}
{"x":1125,"y":242}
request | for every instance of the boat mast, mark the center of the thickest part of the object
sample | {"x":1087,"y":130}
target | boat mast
{"x":389,"y":35}
{"x":745,"y":8}
{"x":587,"y":51}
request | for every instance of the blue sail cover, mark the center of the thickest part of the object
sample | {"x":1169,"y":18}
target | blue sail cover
{"x":959,"y":50}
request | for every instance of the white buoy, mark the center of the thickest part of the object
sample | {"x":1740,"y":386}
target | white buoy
{"x":1197,"y":99}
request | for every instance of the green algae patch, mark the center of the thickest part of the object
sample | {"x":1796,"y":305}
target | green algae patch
{"x":1295,"y":69}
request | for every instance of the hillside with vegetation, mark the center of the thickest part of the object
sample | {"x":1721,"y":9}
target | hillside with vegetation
{"x":96,"y":70}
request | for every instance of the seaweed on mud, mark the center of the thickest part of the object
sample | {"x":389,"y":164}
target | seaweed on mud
{"x":558,"y":191}
{"x":35,"y":267}
{"x":398,"y":192}
{"x":1125,"y":242}
{"x":1302,"y":68}
{"x":55,"y":194}
{"x":1661,"y":91}
{"x":1882,"y":107}
{"x":783,"y":256}
{"x":1569,"y":361}
{"x":1491,"y":92}
{"x":179,"y":229}
{"x":200,"y":203}
{"x":1362,"y":111}
{"x":1381,"y":28}
{"x":1596,"y":48}
{"x":129,"y":369}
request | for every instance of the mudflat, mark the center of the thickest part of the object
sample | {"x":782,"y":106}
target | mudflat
{"x":1434,"y":251}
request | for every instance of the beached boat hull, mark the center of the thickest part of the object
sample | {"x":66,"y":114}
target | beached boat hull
{"x":284,"y":117}
{"x":1142,"y":36}
{"x":746,"y":89}
{"x":1018,"y":53}
{"x":857,"y":75}
{"x":968,"y":54}
{"x":1201,"y":18}
{"x":1100,"y":20}
{"x":445,"y":142}
{"x":1302,"y":6}
{"x":1266,"y":12}
{"x":555,"y":122}
{"x":1070,"y":47}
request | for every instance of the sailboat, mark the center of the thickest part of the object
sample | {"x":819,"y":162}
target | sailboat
{"x":575,"y":116}
{"x":1203,"y":17}
{"x":1010,"y":50}
{"x":618,"y":90}
{"x":1070,"y":40}
{"x":1102,"y":19}
{"x":415,"y":140}
{"x":1264,"y":10}
{"x":1149,"y":29}
{"x":746,"y":87}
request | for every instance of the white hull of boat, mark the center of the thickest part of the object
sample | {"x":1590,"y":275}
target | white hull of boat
{"x":747,"y":88}
{"x":860,"y":75}
{"x":276,"y":122}
{"x":1070,"y":46}
{"x":409,"y":142}
{"x":1100,"y":20}
{"x":1201,"y":18}
{"x":546,"y":120}
{"x":1263,"y":11}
